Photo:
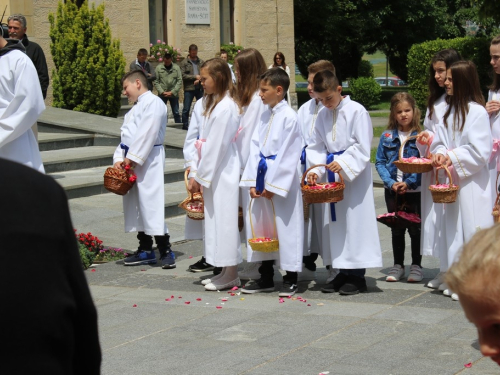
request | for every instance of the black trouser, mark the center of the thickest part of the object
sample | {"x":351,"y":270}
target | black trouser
{"x":266,"y":271}
{"x":409,"y":202}
{"x":146,"y":242}
{"x":309,"y":261}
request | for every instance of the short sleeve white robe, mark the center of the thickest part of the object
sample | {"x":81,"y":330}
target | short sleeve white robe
{"x":280,"y":137}
{"x":431,"y":214}
{"x":218,"y":171}
{"x":21,"y":102}
{"x":308,"y":113}
{"x":495,"y":132}
{"x":352,"y":241}
{"x":143,"y":131}
{"x":469,"y":152}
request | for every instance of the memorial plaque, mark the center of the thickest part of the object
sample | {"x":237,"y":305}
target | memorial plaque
{"x":198,"y":12}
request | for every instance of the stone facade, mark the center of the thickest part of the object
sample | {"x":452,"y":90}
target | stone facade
{"x":266,"y":25}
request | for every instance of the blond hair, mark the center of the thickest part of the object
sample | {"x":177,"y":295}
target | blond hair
{"x":218,"y":69}
{"x":478,"y":266}
{"x":320,"y":65}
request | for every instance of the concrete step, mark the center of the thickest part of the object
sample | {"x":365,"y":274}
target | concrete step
{"x":124,"y":109}
{"x":57,"y":141}
{"x":89,"y":181}
{"x":77,"y":158}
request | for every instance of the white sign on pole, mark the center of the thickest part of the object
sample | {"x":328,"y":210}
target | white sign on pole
{"x":198,"y":12}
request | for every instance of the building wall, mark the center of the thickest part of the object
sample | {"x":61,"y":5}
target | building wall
{"x":266,"y":25}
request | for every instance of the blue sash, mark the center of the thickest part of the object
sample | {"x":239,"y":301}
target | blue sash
{"x":123,"y":146}
{"x":303,"y":158}
{"x":261,"y":171}
{"x":331,"y":178}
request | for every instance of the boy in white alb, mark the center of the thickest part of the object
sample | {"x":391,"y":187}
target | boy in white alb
{"x":308,"y":113}
{"x":271,"y":173}
{"x":141,"y":148}
{"x":342,"y":140}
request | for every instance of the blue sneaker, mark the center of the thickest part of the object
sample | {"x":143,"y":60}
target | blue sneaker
{"x":140,"y":257}
{"x":168,"y":260}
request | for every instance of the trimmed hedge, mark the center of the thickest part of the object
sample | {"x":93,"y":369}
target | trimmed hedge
{"x":420,"y":55}
{"x":365,"y":91}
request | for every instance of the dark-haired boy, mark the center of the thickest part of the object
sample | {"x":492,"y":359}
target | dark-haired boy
{"x":343,"y":135}
{"x":141,"y":148}
{"x":271,"y":172}
{"x":141,"y":63}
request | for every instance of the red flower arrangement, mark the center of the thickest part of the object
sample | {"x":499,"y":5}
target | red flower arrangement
{"x":92,"y":243}
{"x":130,"y":173}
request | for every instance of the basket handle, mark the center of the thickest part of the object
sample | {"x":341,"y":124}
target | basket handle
{"x":251,"y":224}
{"x":402,"y":148}
{"x":447,"y":171}
{"x":186,"y":172}
{"x":497,"y":201}
{"x":314,"y":166}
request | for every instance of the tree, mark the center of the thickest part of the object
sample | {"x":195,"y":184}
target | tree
{"x":489,"y":9}
{"x":89,"y":64}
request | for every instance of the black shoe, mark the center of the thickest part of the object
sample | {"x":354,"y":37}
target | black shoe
{"x":184,"y":127}
{"x":217,"y":270}
{"x":258,"y":286}
{"x":201,"y":266}
{"x":335,"y":284}
{"x":353,"y":285}
{"x":288,"y":289}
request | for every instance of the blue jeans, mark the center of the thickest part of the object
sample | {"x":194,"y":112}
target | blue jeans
{"x":188,"y":100}
{"x":174,"y":104}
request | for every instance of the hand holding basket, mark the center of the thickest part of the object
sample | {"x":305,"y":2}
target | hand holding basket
{"x":413,"y":164}
{"x":329,"y":192}
{"x":193,"y":204}
{"x":118,"y":181}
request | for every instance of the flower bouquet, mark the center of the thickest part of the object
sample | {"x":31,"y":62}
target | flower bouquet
{"x":119,"y":181}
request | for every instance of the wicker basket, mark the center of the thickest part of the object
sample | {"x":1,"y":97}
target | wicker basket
{"x":326,"y":195}
{"x":268,"y":246}
{"x":116,"y":181}
{"x":496,"y":207}
{"x":448,"y":195}
{"x":196,"y":197}
{"x":241,"y":221}
{"x":408,"y":167}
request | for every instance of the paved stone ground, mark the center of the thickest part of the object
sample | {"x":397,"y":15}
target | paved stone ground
{"x":396,"y":328}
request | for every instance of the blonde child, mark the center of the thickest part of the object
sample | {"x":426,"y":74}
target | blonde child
{"x":432,"y":214}
{"x":463,"y":143}
{"x":271,"y":173}
{"x":249,"y":66}
{"x":493,"y":109}
{"x":217,"y":171}
{"x":401,"y":188}
{"x":308,"y":113}
{"x":142,"y":135}
{"x":342,"y":138}
{"x":479,"y":265}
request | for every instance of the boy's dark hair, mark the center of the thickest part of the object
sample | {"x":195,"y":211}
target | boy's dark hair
{"x":325,"y":80}
{"x":193,"y":47}
{"x":167,"y":55}
{"x":222,"y":51}
{"x":142,"y":51}
{"x":133,"y":75}
{"x":276,"y":77}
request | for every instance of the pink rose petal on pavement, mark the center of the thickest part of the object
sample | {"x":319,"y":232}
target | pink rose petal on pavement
{"x":187,"y":303}
{"x":190,"y":257}
{"x":218,"y":307}
{"x":308,"y":304}
{"x":281,"y":300}
{"x":92,"y":271}
{"x":234,"y":288}
{"x":167,"y":299}
{"x":198,"y":299}
{"x":233,"y":294}
{"x":468,"y":365}
{"x":143,"y":270}
{"x":134,"y":305}
{"x":172,"y":297}
{"x":224,"y":299}
{"x":289,"y":297}
{"x":179,"y":297}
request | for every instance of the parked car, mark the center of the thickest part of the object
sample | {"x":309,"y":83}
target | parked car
{"x":301,"y":85}
{"x":390,"y":81}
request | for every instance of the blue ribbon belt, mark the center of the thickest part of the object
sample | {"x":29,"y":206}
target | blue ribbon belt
{"x":123,"y":146}
{"x":331,"y":178}
{"x":261,"y":171}
{"x":303,"y":158}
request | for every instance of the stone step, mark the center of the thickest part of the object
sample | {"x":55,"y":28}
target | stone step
{"x":49,"y":141}
{"x":89,"y":181}
{"x":77,"y":158}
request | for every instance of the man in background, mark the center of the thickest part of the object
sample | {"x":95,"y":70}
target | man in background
{"x":142,"y":63}
{"x":190,"y":68}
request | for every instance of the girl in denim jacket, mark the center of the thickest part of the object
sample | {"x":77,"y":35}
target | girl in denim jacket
{"x":403,"y":123}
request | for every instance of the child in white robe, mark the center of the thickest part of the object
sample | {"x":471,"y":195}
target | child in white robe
{"x":141,"y":148}
{"x":249,"y":66}
{"x":342,"y":140}
{"x":493,"y":109}
{"x":271,"y":173}
{"x":308,"y":113}
{"x":463,"y":143}
{"x":217,"y":170}
{"x":432,"y":214}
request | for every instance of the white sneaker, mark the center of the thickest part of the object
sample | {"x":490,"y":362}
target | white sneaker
{"x":307,"y":275}
{"x":437,"y":281}
{"x":454,"y":296}
{"x":396,"y":273}
{"x":250,"y":272}
{"x":447,"y":293}
{"x":416,"y":275}
{"x":443,"y":287}
{"x":332,"y":273}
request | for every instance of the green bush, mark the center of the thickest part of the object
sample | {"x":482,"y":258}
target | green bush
{"x":365,"y":91}
{"x":88,"y":63}
{"x":231,"y":50}
{"x":365,"y":69}
{"x":86,"y":256}
{"x":420,"y":55}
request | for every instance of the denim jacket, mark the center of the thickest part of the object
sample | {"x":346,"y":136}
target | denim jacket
{"x":388,"y":152}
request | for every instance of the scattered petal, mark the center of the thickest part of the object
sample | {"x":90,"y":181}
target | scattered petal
{"x":143,"y":270}
{"x":289,"y":297}
{"x":324,"y":373}
{"x":167,"y":299}
{"x":320,"y":304}
{"x":134,"y":305}
{"x":281,"y":300}
{"x":198,"y":299}
{"x":304,"y":300}
{"x":308,"y":304}
{"x":179,"y":297}
{"x":92,"y":270}
{"x":172,"y":297}
{"x":218,"y":307}
{"x":294,"y":299}
{"x":468,"y":365}
{"x":242,"y":299}
{"x":190,"y":256}
{"x":187,"y":303}
{"x":234,"y":288}
{"x":233,"y":294}
{"x":224,"y":299}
